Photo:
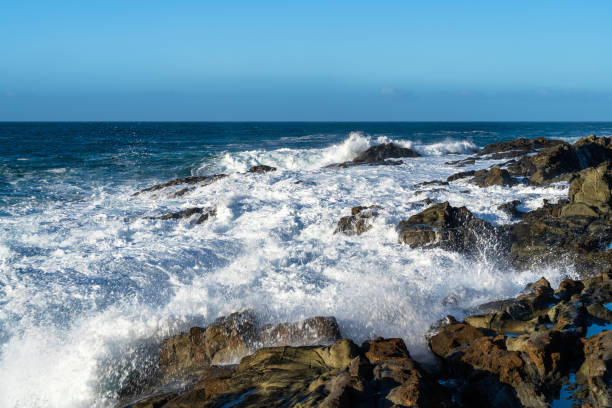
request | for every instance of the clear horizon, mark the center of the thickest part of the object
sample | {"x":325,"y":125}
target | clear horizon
{"x":314,"y":62}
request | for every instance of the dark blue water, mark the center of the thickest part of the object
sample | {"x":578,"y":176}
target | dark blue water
{"x":124,"y":152}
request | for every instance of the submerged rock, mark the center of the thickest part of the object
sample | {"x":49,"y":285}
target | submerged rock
{"x":511,"y":209}
{"x":517,"y":147}
{"x":204,"y":214}
{"x":200,"y":180}
{"x":262,"y":168}
{"x":359,"y":221}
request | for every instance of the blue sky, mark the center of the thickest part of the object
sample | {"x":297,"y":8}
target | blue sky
{"x":306,"y":60}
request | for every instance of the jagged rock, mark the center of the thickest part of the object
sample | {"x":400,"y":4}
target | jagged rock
{"x":511,"y":209}
{"x":595,"y":373}
{"x":495,"y":176}
{"x":448,"y":227}
{"x":517,"y":147}
{"x":378,"y":155}
{"x":461,"y":175}
{"x":359,"y":221}
{"x":561,"y":161}
{"x":201,"y":180}
{"x":384,"y":151}
{"x":484,"y":364}
{"x":262,"y":168}
{"x":204,"y":214}
{"x":378,"y":373}
{"x":591,"y":193}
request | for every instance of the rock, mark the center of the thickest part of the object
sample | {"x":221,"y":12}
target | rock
{"x":313,"y":331}
{"x":495,"y":176}
{"x":384,"y":151}
{"x":461,"y":175}
{"x":595,"y":373}
{"x":484,"y":364}
{"x":201,"y":180}
{"x":517,"y":147}
{"x":561,"y":161}
{"x":511,"y":209}
{"x":262,"y":168}
{"x":448,"y":227}
{"x":378,"y":155}
{"x":591,"y":193}
{"x":359,"y":221}
{"x":204,"y":214}
{"x":227,"y":339}
{"x":378,"y":373}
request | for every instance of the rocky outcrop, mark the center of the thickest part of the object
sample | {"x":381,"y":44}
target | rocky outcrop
{"x":378,"y":155}
{"x":448,"y":227}
{"x":380,"y":372}
{"x":359,"y":221}
{"x":203,"y":214}
{"x":523,"y":350}
{"x":199,"y":180}
{"x":517,"y":147}
{"x":262,"y":168}
{"x":560,"y":162}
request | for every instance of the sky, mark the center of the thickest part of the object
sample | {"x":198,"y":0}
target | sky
{"x":313,"y":60}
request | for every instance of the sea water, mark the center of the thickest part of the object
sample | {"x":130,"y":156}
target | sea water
{"x":89,"y":286}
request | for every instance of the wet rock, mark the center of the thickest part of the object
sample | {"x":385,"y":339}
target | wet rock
{"x":495,"y":176}
{"x":359,"y":221}
{"x":378,"y":155}
{"x":461,"y":175}
{"x":517,"y":147}
{"x":511,"y":209}
{"x":384,"y":151}
{"x":262,"y":168}
{"x":484,"y":363}
{"x":203,"y":214}
{"x":200,"y":180}
{"x":445,"y":226}
{"x":312,"y":331}
{"x":378,"y":373}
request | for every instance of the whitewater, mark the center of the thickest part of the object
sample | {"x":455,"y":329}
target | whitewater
{"x":90,"y":287}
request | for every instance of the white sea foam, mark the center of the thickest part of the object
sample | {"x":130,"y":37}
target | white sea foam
{"x":91,"y":284}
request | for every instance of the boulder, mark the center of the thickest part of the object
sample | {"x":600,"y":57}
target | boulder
{"x":495,"y":176}
{"x":511,"y":209}
{"x":359,"y":221}
{"x":590,"y":193}
{"x":384,"y":151}
{"x":448,"y":227}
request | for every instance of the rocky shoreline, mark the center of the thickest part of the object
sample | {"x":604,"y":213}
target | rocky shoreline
{"x":529,"y":351}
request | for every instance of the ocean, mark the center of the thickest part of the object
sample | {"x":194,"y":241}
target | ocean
{"x":90,"y":285}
